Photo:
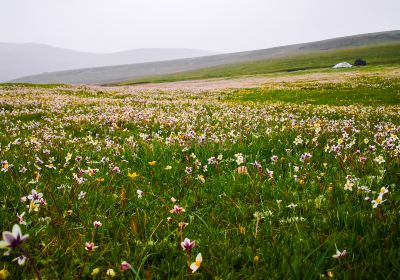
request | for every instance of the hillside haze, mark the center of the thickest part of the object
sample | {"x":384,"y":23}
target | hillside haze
{"x":126,"y":72}
{"x":18,"y":60}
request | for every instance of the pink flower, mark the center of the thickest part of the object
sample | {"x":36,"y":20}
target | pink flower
{"x":89,"y":246}
{"x":125,"y":266}
{"x":188,"y":245}
{"x":177,"y":210}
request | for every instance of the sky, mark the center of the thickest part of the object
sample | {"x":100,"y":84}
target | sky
{"x":218,"y":25}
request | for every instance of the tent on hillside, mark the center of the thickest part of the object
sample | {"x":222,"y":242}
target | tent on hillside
{"x":343,"y":65}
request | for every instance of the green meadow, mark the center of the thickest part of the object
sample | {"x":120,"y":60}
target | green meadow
{"x":294,"y":180}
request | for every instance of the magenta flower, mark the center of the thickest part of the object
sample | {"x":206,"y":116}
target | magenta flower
{"x":188,"y":245}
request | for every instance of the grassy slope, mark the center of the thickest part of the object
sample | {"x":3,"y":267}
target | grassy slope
{"x":374,"y":55}
{"x":363,"y":90}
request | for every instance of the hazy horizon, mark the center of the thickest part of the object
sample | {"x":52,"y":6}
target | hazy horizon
{"x":105,"y":26}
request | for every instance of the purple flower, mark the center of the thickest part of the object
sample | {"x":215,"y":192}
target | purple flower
{"x":13,"y":239}
{"x":188,"y":245}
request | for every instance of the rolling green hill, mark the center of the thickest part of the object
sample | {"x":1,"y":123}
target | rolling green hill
{"x":386,"y":54}
{"x":376,"y":48}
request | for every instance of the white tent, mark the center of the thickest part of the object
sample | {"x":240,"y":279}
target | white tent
{"x":343,"y":65}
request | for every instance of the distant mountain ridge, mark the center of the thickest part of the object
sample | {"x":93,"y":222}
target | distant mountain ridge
{"x":114,"y":74}
{"x":18,"y":60}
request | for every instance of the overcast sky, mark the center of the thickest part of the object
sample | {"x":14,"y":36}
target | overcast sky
{"x":219,"y":25}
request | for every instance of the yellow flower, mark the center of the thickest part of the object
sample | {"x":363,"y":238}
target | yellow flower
{"x":152,"y":163}
{"x":256,"y":259}
{"x":133,"y":175}
{"x":95,"y":271}
{"x":33,"y":206}
{"x":4,"y":273}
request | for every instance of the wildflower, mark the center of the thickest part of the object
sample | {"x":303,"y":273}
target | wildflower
{"x":89,"y":246}
{"x":188,"y":245}
{"x":4,"y":273}
{"x":378,"y":200}
{"x":68,"y":157}
{"x":33,"y":206}
{"x":239,"y":158}
{"x":173,"y":200}
{"x":170,"y":220}
{"x":177,"y":210}
{"x":21,"y":218}
{"x":258,"y":215}
{"x":139,"y":193}
{"x":211,"y":160}
{"x":21,"y":260}
{"x":152,"y":163}
{"x":35,"y":196}
{"x":292,"y":205}
{"x":201,"y":178}
{"x":383,"y":190}
{"x":133,"y":175}
{"x":95,"y":271}
{"x":81,"y":195}
{"x":116,"y":169}
{"x":256,"y":259}
{"x":348,"y":186}
{"x":242,"y":170}
{"x":97,"y":224}
{"x":196,"y":265}
{"x":188,"y":170}
{"x":305,"y":156}
{"x":5,"y":165}
{"x":379,"y":160}
{"x":125,"y":266}
{"x":111,"y":272}
{"x":168,"y":167}
{"x":13,"y":239}
{"x":274,"y":158}
{"x":298,"y":140}
{"x":182,"y":225}
{"x":339,"y":255}
{"x":270,"y":173}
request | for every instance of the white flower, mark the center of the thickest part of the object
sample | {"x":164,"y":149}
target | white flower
{"x":196,"y":265}
{"x":379,"y":160}
{"x":378,"y":201}
{"x":81,"y":195}
{"x":348,"y":186}
{"x":339,"y":255}
{"x":292,"y":205}
{"x":110,"y":272}
{"x":139,"y":193}
{"x":21,"y":260}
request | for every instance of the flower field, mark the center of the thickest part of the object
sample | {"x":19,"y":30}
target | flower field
{"x":229,"y":184}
